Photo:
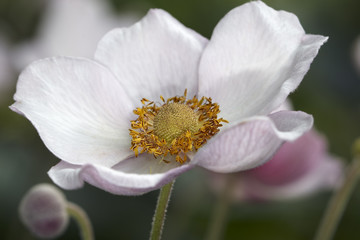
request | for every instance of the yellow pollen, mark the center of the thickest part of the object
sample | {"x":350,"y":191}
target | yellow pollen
{"x":178,"y":126}
{"x":173,"y":120}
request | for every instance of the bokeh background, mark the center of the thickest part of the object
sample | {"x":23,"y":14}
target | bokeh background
{"x":330,"y":91}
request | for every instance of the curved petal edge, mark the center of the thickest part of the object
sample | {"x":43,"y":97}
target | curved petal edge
{"x":70,"y":176}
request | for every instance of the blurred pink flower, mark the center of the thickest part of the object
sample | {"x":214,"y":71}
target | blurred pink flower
{"x":70,"y":28}
{"x":83,"y":108}
{"x":298,"y":169}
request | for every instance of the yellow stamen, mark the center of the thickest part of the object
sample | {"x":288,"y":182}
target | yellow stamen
{"x":179,"y":126}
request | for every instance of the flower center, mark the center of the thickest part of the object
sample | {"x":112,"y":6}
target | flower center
{"x":178,"y":126}
{"x":173,"y":120}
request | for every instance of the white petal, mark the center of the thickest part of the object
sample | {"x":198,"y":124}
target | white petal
{"x":252,"y":142}
{"x":156,"y":56}
{"x":79,"y":109}
{"x":290,"y":125}
{"x":69,"y":176}
{"x":255,"y":58}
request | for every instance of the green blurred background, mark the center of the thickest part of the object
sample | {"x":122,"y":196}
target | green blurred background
{"x":330,"y":91}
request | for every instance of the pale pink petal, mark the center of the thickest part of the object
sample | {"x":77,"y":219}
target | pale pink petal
{"x":79,"y":109}
{"x":114,"y":180}
{"x":156,"y":56}
{"x":255,"y":58}
{"x":252,"y":142}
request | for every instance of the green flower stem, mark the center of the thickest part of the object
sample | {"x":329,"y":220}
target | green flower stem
{"x":216,"y":227}
{"x":82,"y":220}
{"x":160,"y":211}
{"x":338,"y":202}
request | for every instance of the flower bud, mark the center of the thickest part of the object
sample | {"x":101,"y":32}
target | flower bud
{"x":43,"y":211}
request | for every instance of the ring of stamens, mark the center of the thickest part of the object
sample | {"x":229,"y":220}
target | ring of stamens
{"x":178,"y":126}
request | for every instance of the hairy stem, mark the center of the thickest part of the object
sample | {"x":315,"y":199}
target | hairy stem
{"x":160,"y":211}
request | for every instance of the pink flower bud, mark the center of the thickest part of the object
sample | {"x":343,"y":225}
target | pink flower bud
{"x":43,"y":211}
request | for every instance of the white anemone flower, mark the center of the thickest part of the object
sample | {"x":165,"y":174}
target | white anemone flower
{"x":83,"y":109}
{"x":70,"y":28}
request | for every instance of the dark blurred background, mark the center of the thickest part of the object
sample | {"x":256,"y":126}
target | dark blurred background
{"x":330,"y":92}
